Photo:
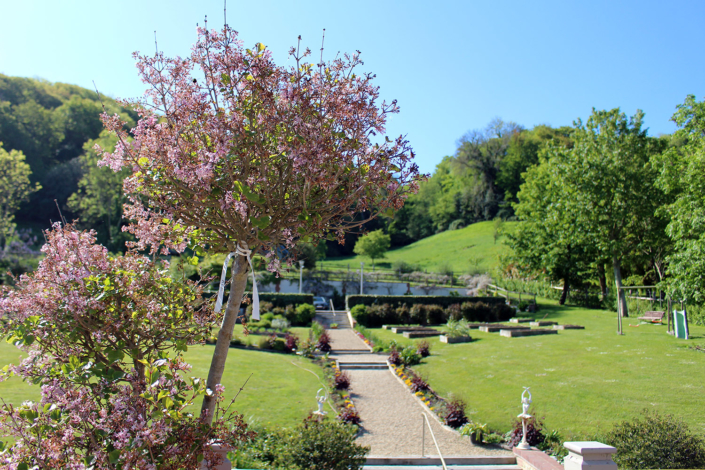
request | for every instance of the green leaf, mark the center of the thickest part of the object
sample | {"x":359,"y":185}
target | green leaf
{"x":114,"y":456}
{"x":261,"y":222}
{"x":143,"y":161}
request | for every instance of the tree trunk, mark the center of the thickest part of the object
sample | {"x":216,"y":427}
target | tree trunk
{"x":601,"y":277}
{"x":222,"y":345}
{"x":564,"y":294}
{"x":621,"y":295}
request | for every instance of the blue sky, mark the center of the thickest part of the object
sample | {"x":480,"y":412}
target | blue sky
{"x":453,"y":66}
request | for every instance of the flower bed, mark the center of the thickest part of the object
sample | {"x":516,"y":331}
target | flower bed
{"x":341,"y":397}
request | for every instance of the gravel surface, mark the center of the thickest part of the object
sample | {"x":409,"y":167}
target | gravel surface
{"x":392,"y":421}
{"x":391,"y":415}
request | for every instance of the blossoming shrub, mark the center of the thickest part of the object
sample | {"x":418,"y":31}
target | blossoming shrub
{"x":104,"y":338}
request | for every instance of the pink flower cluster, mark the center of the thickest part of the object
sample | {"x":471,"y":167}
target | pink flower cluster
{"x":104,"y":336}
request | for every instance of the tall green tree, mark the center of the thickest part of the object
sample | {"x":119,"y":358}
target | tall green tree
{"x":373,"y":245}
{"x":610,"y":185}
{"x":682,"y":177}
{"x":15,"y":187}
{"x":545,"y":243}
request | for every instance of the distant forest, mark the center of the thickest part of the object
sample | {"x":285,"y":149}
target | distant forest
{"x":56,"y":126}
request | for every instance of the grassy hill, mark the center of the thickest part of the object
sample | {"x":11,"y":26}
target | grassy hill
{"x":472,"y":248}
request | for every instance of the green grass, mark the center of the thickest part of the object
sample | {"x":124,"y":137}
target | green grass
{"x":470,"y":248}
{"x":582,"y":381}
{"x":280,"y":392}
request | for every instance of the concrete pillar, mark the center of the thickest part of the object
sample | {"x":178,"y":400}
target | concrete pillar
{"x":589,"y":455}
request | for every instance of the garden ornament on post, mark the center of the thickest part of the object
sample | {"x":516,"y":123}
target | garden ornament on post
{"x":525,"y":403}
{"x":321,"y":399}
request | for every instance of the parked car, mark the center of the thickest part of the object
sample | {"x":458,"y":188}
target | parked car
{"x":320,"y":303}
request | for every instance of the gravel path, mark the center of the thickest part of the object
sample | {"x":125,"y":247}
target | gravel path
{"x":391,"y":420}
{"x":391,"y":416}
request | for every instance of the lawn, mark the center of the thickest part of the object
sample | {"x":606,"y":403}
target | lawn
{"x":472,"y":248}
{"x":582,"y":381}
{"x":279,"y":393}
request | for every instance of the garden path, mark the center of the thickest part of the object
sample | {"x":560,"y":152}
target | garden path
{"x":391,"y":415}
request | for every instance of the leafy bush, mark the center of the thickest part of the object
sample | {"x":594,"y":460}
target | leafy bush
{"x":454,"y":413}
{"x":454,"y":312}
{"x":348,"y":416}
{"x":359,"y":313}
{"x":418,"y":384}
{"x":304,"y":314}
{"x":418,"y":314}
{"x":409,"y":356}
{"x":280,"y":324}
{"x":456,"y":329}
{"x":312,"y":445}
{"x":404,"y":267}
{"x":323,"y":343}
{"x":435,"y":314}
{"x":281,"y":300}
{"x":317,"y":329}
{"x":403,"y":314}
{"x":291,"y":343}
{"x":378,"y":315}
{"x":423,"y":348}
{"x":534,"y":432}
{"x":656,"y":441}
{"x":342,"y":380}
{"x":394,"y":357}
{"x":264,"y":343}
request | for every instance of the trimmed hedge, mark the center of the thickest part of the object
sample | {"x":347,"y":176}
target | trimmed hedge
{"x":374,"y":316}
{"x":282,"y":300}
{"x":395,"y":301}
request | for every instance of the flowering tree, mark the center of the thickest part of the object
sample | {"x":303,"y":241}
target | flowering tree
{"x":233,"y":151}
{"x":105,"y":338}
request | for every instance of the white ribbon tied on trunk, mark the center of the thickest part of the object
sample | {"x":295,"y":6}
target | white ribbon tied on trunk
{"x":242,"y":251}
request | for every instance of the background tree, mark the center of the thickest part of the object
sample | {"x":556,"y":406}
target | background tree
{"x":15,"y":188}
{"x":609,"y":185}
{"x":682,"y":178}
{"x":251,"y":156}
{"x":373,"y":245}
{"x":99,"y":198}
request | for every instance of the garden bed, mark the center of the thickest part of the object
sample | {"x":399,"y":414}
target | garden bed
{"x":457,"y":339}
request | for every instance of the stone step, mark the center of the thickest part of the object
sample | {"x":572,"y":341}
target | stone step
{"x":496,"y":328}
{"x":518,"y":333}
{"x":475,"y":461}
{"x":362,"y":365}
{"x":342,"y":352}
{"x":404,"y":329}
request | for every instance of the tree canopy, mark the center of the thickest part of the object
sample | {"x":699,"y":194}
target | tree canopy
{"x":373,"y":245}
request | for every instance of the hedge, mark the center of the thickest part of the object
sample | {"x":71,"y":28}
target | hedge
{"x":376,"y":315}
{"x":282,"y":300}
{"x":396,"y":301}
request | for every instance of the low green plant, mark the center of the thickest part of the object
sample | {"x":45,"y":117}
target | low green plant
{"x":656,"y":441}
{"x":305,"y":314}
{"x":456,"y":329}
{"x":409,"y":356}
{"x":280,"y":324}
{"x":474,"y":430}
{"x":334,"y":325}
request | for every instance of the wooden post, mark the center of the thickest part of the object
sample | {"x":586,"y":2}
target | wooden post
{"x":668,"y":316}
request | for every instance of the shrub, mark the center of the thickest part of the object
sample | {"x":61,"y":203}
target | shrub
{"x":394,"y":357}
{"x":349,"y":416}
{"x":378,"y":315}
{"x":404,"y":267}
{"x":423,"y":348}
{"x":435,"y":314}
{"x":324,"y":445}
{"x":264,"y":343}
{"x":342,"y":380}
{"x":280,"y":300}
{"x":280,"y":324}
{"x":305,"y":314}
{"x":359,"y":313}
{"x":656,"y":441}
{"x":534,"y":432}
{"x":397,"y":300}
{"x":291,"y":343}
{"x":323,"y":343}
{"x":418,"y":314}
{"x":454,"y":413}
{"x":476,"y":311}
{"x":409,"y":356}
{"x":418,"y":384}
{"x":403,"y":315}
{"x":307,"y":348}
{"x":456,"y":329}
{"x":454,"y":312}
{"x":317,"y":329}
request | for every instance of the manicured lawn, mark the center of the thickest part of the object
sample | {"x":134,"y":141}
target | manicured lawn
{"x":470,"y":247}
{"x":279,"y":393}
{"x":581,"y":380}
